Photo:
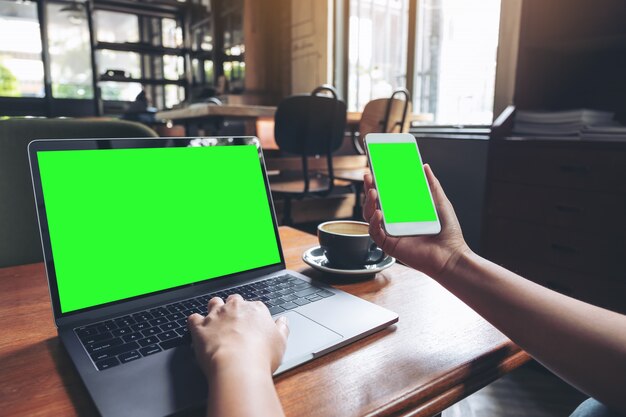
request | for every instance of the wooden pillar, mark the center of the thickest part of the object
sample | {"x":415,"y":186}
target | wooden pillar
{"x":312,"y":38}
{"x":267,"y":36}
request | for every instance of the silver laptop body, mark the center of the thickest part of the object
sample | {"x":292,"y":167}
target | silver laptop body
{"x":133,"y":353}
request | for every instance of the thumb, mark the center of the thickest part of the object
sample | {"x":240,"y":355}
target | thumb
{"x":283,"y":327}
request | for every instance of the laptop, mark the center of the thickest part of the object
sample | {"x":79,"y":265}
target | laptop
{"x":138,"y":234}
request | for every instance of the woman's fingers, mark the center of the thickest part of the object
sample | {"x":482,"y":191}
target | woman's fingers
{"x":370,"y":205}
{"x":214,"y":303}
{"x":375,"y":228}
{"x":195,"y":320}
{"x":443,"y":205}
{"x":234,"y":298}
{"x":368,"y":182}
{"x":283,"y":327}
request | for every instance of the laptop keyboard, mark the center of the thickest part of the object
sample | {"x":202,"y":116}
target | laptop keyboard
{"x":124,"y":339}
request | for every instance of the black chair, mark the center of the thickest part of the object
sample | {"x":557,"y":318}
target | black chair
{"x":308,"y":126}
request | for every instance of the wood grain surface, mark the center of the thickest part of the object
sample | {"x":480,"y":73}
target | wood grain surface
{"x":438,"y":353}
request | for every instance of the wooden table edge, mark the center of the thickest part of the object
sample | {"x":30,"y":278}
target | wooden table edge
{"x":240,"y":111}
{"x":418,"y":404}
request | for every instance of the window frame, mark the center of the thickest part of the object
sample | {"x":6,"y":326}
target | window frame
{"x":341,"y":72}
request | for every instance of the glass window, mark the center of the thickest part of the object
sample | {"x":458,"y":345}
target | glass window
{"x":116,"y":27}
{"x":69,"y":48}
{"x":21,"y":65}
{"x":235,"y":73}
{"x":201,"y":35}
{"x":455,"y":63}
{"x":232,"y":21}
{"x":111,"y":90}
{"x":209,"y":72}
{"x":171,"y":33}
{"x":173,"y":95}
{"x":378,"y":35}
{"x":195,"y":71}
{"x":173,"y":67}
{"x":126,"y":62}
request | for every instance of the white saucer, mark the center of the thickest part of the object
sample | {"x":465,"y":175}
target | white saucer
{"x":316,"y":258}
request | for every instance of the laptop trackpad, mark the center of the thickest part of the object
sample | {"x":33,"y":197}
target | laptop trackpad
{"x":305,"y":338}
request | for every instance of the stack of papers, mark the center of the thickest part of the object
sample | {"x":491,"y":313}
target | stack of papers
{"x":604,"y":133}
{"x":560,"y":123}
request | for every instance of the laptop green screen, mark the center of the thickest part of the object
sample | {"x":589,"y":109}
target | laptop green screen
{"x":128,"y":222}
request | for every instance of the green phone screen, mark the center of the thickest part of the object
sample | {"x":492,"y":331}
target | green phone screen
{"x":127,"y":222}
{"x":401,"y":183}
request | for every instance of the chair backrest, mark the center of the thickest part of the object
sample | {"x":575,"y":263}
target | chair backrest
{"x":384,"y":115}
{"x":19,"y":232}
{"x":309,"y":125}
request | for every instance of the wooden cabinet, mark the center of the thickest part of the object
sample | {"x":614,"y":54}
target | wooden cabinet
{"x":556,"y":209}
{"x":556,"y":214}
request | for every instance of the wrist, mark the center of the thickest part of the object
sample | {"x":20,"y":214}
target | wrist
{"x":454,"y":262}
{"x":229,"y":359}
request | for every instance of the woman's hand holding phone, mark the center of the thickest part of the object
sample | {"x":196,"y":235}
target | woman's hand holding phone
{"x":431,"y":254}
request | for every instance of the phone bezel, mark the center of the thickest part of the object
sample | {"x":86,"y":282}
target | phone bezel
{"x":404,"y":228}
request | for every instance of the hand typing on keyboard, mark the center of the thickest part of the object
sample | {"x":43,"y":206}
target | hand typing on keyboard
{"x":239,"y":346}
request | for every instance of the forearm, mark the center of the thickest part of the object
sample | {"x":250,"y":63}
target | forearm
{"x":583,"y":344}
{"x":239,"y":390}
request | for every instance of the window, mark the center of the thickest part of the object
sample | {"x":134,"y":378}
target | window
{"x":377,"y":49}
{"x":138,"y":52}
{"x":201,"y":39}
{"x":173,"y":95}
{"x":116,"y":27}
{"x":21,"y":65}
{"x":455,"y":63}
{"x":173,"y":67}
{"x":172,"y":33}
{"x":119,"y":91}
{"x":454,"y":59}
{"x":70,"y":53}
{"x":230,"y":60}
{"x":235,"y":71}
{"x":133,"y":47}
{"x":119,"y":63}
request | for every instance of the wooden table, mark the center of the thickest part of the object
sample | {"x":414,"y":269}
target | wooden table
{"x":200,"y":113}
{"x":438,"y":353}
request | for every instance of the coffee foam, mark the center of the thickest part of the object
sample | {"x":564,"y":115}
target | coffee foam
{"x":346,"y":228}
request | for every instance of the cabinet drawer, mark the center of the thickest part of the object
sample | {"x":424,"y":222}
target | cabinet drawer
{"x":590,"y":169}
{"x":566,"y":208}
{"x":590,"y":253}
{"x":610,"y":294}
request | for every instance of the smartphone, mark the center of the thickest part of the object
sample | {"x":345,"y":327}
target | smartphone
{"x":403,"y":192}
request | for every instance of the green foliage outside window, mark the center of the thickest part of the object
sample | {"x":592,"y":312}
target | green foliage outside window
{"x":72,"y":90}
{"x":110,"y":92}
{"x":8,"y":83}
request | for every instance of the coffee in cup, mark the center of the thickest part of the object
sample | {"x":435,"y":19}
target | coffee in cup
{"x":348,"y":245}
